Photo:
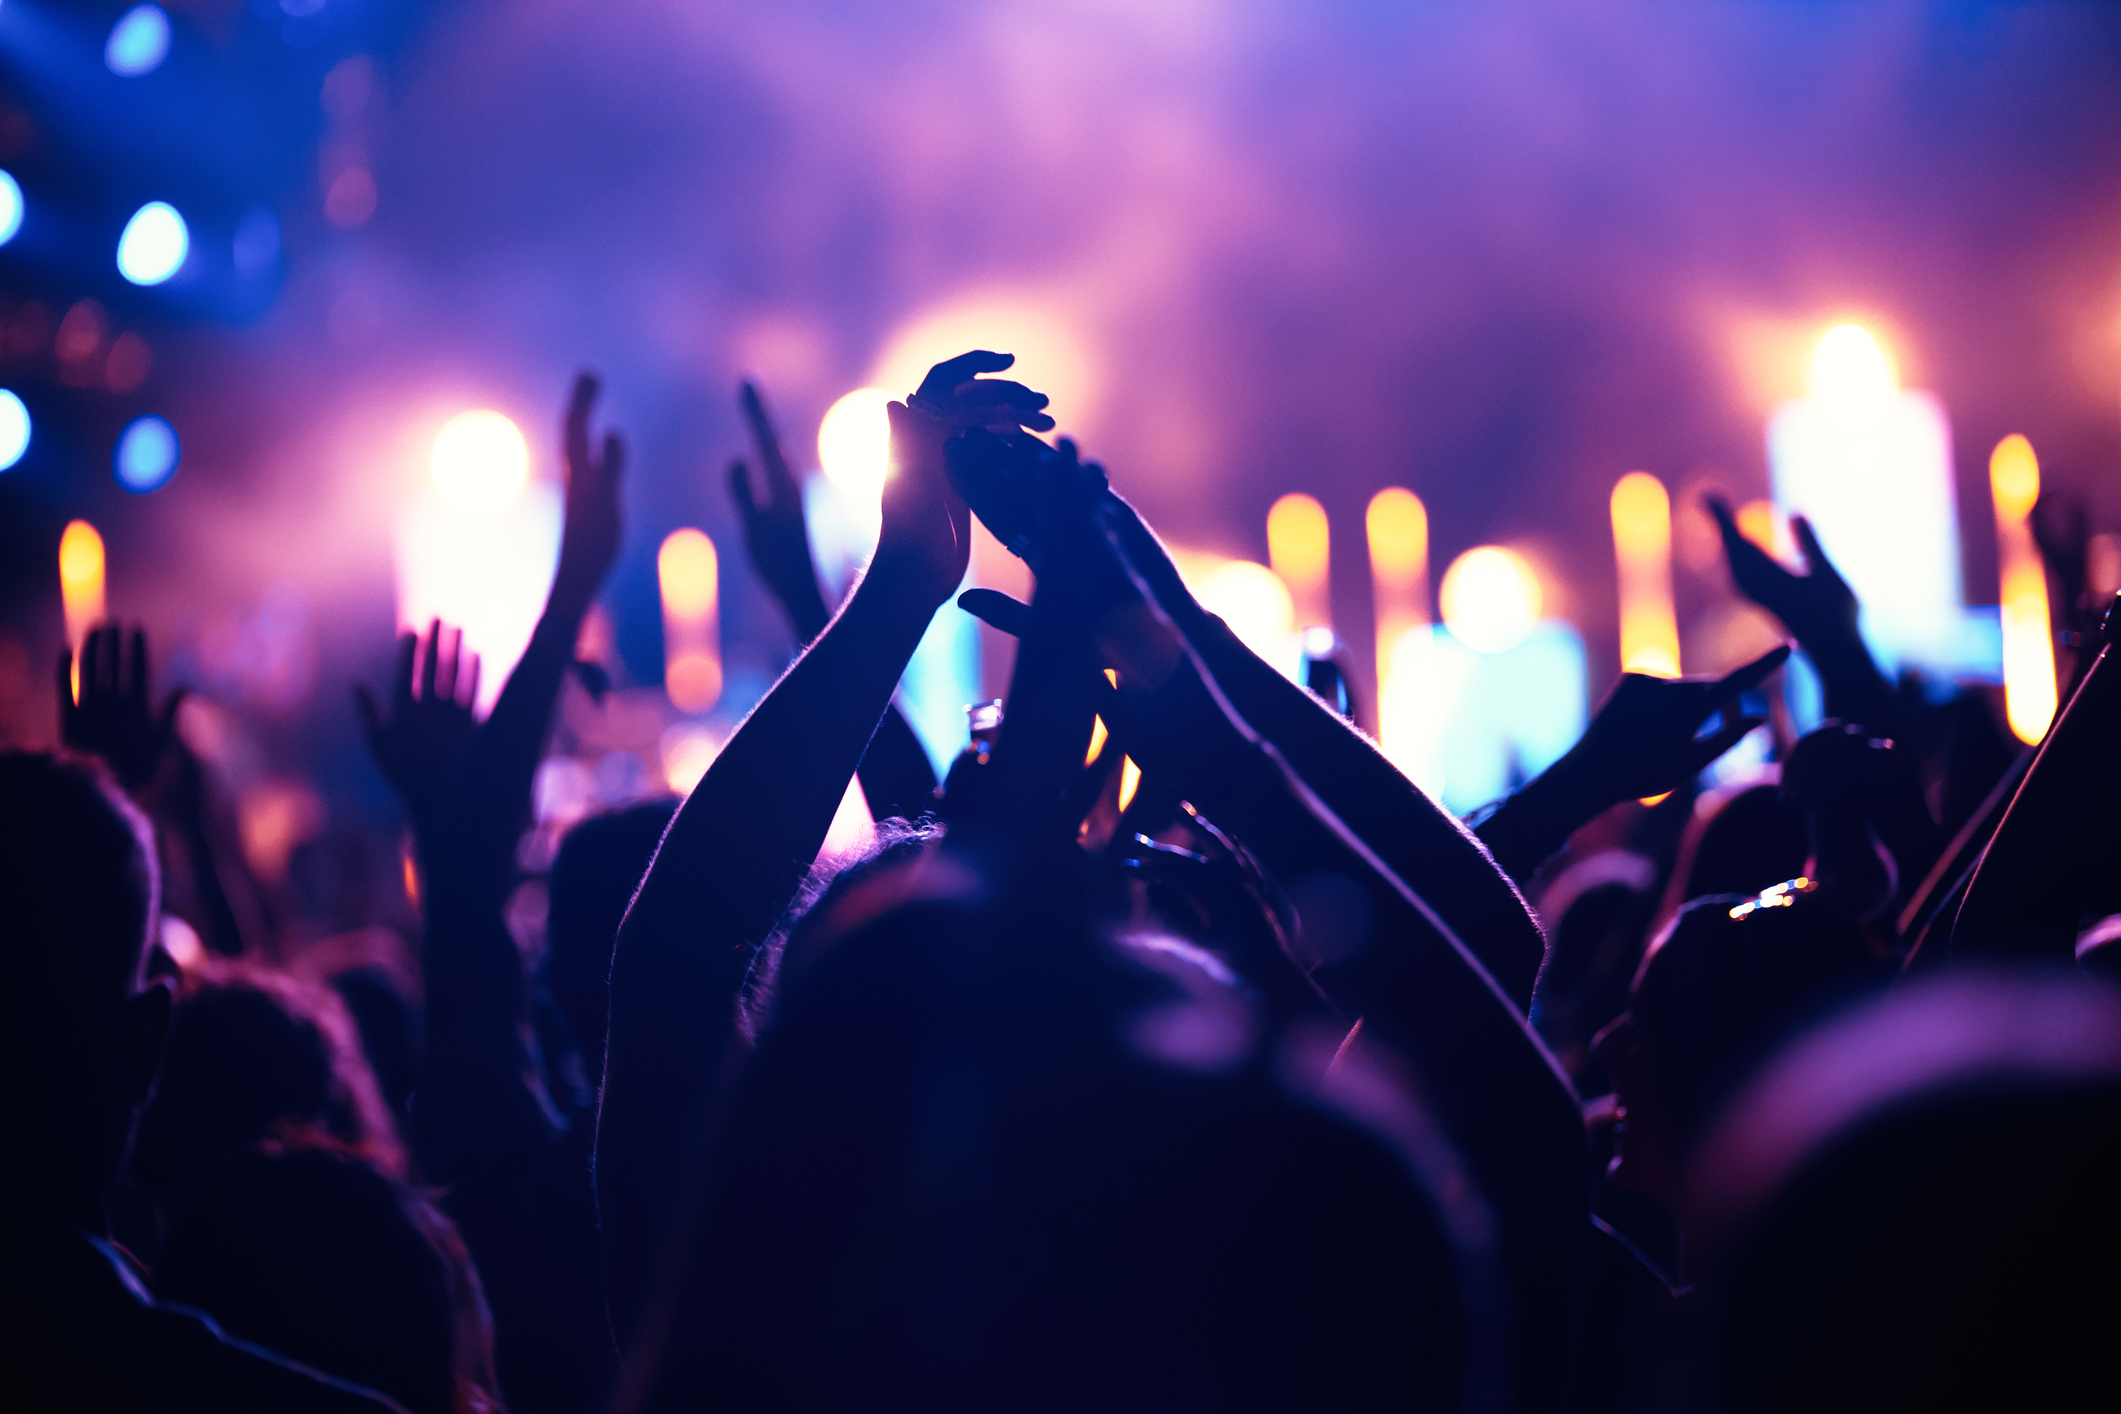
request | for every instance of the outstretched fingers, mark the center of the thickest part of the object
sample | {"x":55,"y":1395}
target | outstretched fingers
{"x":943,"y":379}
{"x":997,"y":610}
{"x":576,"y":436}
{"x":1716,"y":743}
{"x":1746,"y":678}
{"x":1814,"y":558}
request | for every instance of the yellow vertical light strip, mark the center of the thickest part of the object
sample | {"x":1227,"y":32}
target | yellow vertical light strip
{"x":81,"y":570}
{"x":1642,"y":550}
{"x":688,"y":574}
{"x":1298,"y":547}
{"x":1396,"y":525}
{"x":2028,"y":634}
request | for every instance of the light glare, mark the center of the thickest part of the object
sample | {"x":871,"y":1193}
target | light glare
{"x":147,"y":454}
{"x":480,"y":461}
{"x":1297,"y":540}
{"x":138,"y":43}
{"x":81,"y":579}
{"x":2029,"y":688}
{"x":14,"y":428}
{"x":1253,"y":601}
{"x":1642,"y":549}
{"x":153,"y":245}
{"x":1490,"y":599}
{"x":1851,"y":363}
{"x":854,"y":444}
{"x":10,"y":207}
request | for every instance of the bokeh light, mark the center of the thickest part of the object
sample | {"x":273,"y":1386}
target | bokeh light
{"x":688,"y":574}
{"x":1490,"y":599}
{"x":2029,"y":687}
{"x":480,"y":461}
{"x":687,"y":750}
{"x":854,"y":444}
{"x":14,"y":428}
{"x":147,"y":454}
{"x":10,"y":207}
{"x":1253,"y":601}
{"x":1849,"y":362}
{"x":138,"y":42}
{"x":80,"y":585}
{"x":1298,"y":549}
{"x":1642,"y":549}
{"x":153,"y":245}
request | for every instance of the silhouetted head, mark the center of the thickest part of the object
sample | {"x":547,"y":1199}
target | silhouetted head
{"x":594,"y":878}
{"x":1727,"y":980}
{"x":1757,"y":839}
{"x":309,"y":1252}
{"x":79,"y":1037}
{"x":255,"y":1053}
{"x":1914,"y":1207}
{"x":990,"y":1154}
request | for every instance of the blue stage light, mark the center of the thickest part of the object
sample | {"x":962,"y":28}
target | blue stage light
{"x":14,"y":429}
{"x":147,"y":454}
{"x":138,"y":43}
{"x":154,"y":244}
{"x":10,"y":207}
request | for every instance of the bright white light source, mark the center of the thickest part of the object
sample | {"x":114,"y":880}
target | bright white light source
{"x":1254,"y":602}
{"x":147,"y":454}
{"x":483,"y":570}
{"x":154,"y":244}
{"x":1850,"y":363}
{"x":854,"y":444}
{"x":138,"y":43}
{"x":10,"y":207}
{"x":687,"y":749}
{"x":1490,"y":599}
{"x":14,"y":428}
{"x":480,"y":461}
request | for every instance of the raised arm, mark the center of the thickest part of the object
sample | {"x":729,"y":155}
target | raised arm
{"x":1821,"y":613}
{"x":897,"y":777}
{"x":1651,"y":736}
{"x":740,"y":845}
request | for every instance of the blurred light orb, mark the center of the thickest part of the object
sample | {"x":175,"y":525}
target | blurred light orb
{"x":480,"y":461}
{"x":10,"y":207}
{"x":14,"y":428}
{"x":153,"y":245}
{"x":1254,"y":602}
{"x":687,"y":749}
{"x":688,"y":573}
{"x":854,"y":443}
{"x":1850,"y":363}
{"x":138,"y":43}
{"x":2014,"y":476}
{"x":147,"y":454}
{"x":1490,"y":599}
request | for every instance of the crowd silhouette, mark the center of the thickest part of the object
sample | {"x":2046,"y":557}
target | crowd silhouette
{"x":1261,"y":1088}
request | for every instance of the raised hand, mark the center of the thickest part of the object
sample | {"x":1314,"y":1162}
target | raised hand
{"x":430,"y":723}
{"x":1817,"y":606}
{"x":1647,"y":738}
{"x":774,"y":533}
{"x":589,"y":543}
{"x":113,"y":718}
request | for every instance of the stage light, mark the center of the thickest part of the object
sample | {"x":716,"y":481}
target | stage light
{"x":1253,"y":601}
{"x":2029,"y":691}
{"x":147,"y":454}
{"x":10,"y":207}
{"x":688,"y":573}
{"x":80,"y":587}
{"x":1297,"y":547}
{"x":1490,"y":599}
{"x":1869,"y":464}
{"x":14,"y":428}
{"x":854,"y":444}
{"x":1850,"y":363}
{"x":153,"y":245}
{"x":480,"y":461}
{"x":138,"y":43}
{"x":1397,"y":525}
{"x":1642,"y":549}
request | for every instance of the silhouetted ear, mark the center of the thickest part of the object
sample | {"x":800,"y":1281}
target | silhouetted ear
{"x":144,"y":1032}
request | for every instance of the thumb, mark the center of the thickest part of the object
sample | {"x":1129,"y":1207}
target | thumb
{"x":996,"y":610}
{"x":1714,"y":746}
